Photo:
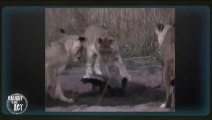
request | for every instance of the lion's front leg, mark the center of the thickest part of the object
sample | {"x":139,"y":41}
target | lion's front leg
{"x":91,"y":57}
{"x":97,"y":65}
{"x":173,"y":97}
{"x":122,"y":69}
{"x":168,"y":88}
{"x":60,"y":95}
{"x":53,"y":85}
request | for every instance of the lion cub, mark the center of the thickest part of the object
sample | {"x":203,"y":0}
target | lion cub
{"x":57,"y":54}
{"x":166,"y":40}
{"x":102,"y":51}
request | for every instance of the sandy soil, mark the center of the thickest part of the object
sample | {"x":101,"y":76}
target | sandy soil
{"x":144,"y":94}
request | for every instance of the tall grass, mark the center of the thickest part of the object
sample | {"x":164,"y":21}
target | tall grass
{"x":133,"y":27}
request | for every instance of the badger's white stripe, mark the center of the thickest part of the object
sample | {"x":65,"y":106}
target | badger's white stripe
{"x":162,"y":35}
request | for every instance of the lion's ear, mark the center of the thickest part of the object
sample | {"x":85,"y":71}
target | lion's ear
{"x":62,"y":31}
{"x":159,"y":26}
{"x":100,"y":40}
{"x":111,"y":41}
{"x":82,"y":39}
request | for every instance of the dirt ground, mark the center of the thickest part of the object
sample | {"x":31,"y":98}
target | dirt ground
{"x":145,"y":93}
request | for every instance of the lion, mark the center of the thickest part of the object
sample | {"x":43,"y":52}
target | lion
{"x":102,"y":51}
{"x":57,"y":55}
{"x":166,"y":39}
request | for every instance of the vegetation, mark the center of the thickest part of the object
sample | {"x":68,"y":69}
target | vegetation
{"x":133,"y":27}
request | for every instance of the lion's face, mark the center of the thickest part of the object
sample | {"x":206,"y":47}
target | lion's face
{"x":106,"y":43}
{"x":161,"y":30}
{"x":74,"y":46}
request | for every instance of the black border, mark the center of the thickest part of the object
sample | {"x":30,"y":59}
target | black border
{"x":101,"y":4}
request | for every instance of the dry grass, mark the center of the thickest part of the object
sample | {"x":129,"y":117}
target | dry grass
{"x":133,"y":27}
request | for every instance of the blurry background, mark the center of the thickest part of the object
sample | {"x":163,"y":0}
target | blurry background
{"x":134,"y":27}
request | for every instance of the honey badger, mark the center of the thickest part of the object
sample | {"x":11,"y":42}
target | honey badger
{"x":166,"y":39}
